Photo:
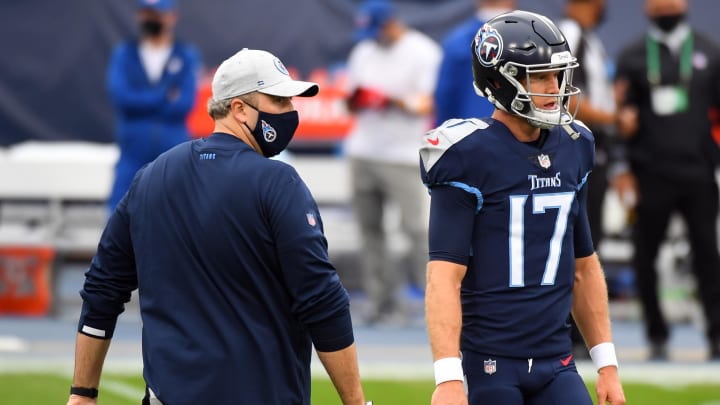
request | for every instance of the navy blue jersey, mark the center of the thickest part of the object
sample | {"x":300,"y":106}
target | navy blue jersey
{"x":228,"y":252}
{"x":514,"y":214}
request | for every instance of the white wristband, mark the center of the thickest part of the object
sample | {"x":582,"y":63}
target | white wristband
{"x":603,"y":355}
{"x":448,"y":369}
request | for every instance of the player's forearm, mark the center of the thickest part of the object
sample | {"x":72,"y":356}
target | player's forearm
{"x":89,"y":358}
{"x":342,"y":367}
{"x":442,"y":308}
{"x":590,"y":302}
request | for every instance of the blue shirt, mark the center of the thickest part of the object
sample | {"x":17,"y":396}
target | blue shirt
{"x":515,"y":215}
{"x":228,"y":252}
{"x":455,"y":95}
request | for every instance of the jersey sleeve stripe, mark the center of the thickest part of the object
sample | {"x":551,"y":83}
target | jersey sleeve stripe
{"x":470,"y":189}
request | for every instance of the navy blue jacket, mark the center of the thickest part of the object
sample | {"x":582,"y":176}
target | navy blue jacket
{"x":228,"y":252}
{"x":455,"y":95}
{"x":150,"y":117}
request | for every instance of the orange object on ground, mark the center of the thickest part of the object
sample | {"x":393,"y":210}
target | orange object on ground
{"x":25,"y":280}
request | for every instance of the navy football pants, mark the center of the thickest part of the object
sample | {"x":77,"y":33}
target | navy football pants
{"x":512,"y":381}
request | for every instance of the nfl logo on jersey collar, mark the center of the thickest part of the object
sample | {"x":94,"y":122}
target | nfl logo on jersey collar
{"x":544,"y":160}
{"x":490,"y":366}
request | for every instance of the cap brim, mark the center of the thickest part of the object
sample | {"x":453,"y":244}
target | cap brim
{"x":292,"y":88}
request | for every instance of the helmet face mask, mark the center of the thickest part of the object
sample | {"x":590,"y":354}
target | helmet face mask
{"x":510,"y":49}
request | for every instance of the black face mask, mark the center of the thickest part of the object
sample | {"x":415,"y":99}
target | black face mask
{"x":273,"y":132}
{"x":151,"y":28}
{"x":668,"y":23}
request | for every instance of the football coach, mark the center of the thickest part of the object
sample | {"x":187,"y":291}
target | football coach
{"x":227,"y":251}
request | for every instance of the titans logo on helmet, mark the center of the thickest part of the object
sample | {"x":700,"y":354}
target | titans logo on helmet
{"x":488,"y":46}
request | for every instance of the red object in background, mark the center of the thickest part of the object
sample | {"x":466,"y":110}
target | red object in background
{"x":25,"y":280}
{"x":199,"y":122}
{"x":323,"y":118}
{"x":367,"y":98}
{"x":714,"y":115}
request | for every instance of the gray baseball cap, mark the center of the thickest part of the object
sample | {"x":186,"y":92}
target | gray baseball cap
{"x":255,"y":70}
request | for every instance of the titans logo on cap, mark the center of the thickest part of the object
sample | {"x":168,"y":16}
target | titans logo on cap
{"x":488,"y":46}
{"x":279,"y":65}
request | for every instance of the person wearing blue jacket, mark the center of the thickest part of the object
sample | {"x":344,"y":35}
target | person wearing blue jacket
{"x":454,"y":94}
{"x":152,"y":83}
{"x":227,"y":251}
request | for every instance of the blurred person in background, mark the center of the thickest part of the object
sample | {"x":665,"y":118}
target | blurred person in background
{"x":227,"y":251}
{"x":596,"y":108}
{"x":152,"y":82}
{"x":667,"y":82}
{"x":392,"y":72}
{"x":454,"y":98}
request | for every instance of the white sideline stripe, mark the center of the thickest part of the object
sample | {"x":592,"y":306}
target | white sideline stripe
{"x":122,"y":389}
{"x":671,"y":374}
{"x":118,"y":388}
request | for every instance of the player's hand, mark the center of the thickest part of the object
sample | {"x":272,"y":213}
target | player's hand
{"x":450,"y":393}
{"x":608,"y":387}
{"x":80,"y":400}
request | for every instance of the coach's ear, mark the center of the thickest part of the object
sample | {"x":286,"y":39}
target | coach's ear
{"x":243,"y":113}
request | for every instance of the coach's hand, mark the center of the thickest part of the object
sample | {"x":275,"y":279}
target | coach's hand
{"x":450,"y":393}
{"x":608,"y":387}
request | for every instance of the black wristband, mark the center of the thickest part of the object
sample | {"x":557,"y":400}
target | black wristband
{"x":84,"y":392}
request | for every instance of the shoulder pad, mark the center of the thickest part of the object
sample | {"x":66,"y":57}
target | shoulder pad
{"x":582,"y":124}
{"x":440,"y":139}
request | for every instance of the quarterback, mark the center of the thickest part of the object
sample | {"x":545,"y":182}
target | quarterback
{"x":510,"y":248}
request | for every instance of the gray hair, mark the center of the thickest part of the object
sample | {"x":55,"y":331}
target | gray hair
{"x":221,"y":108}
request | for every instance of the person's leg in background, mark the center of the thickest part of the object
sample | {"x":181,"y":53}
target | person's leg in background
{"x":656,"y":201}
{"x":699,"y":207}
{"x":413,"y":201}
{"x":125,"y":169}
{"x":135,"y":152}
{"x":379,"y":278}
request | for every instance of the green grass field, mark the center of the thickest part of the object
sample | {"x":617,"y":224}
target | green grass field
{"x":16,"y":389}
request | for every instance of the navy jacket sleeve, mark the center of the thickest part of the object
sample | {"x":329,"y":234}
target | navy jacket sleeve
{"x":110,"y":279}
{"x":127,"y":96}
{"x":449,"y":86}
{"x":183,"y":84}
{"x":319,"y":300}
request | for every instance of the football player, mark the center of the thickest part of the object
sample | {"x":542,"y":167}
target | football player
{"x":510,"y":247}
